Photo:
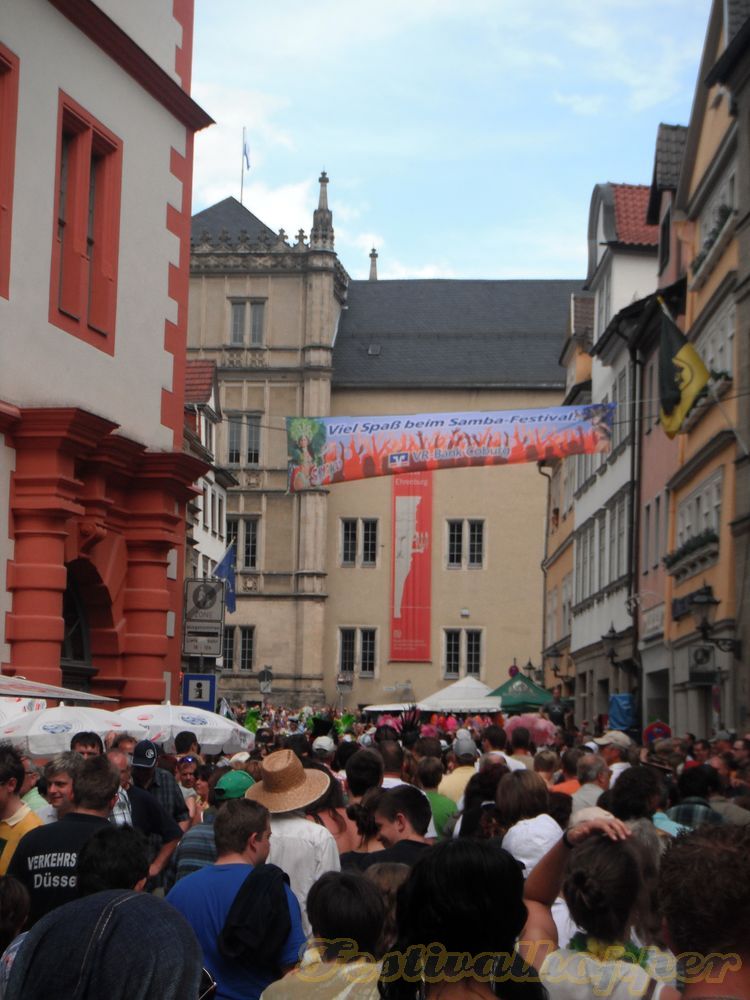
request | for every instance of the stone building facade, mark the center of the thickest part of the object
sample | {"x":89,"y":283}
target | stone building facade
{"x":293,"y":335}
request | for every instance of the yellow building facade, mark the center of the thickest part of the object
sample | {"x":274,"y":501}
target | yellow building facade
{"x":707,"y":686}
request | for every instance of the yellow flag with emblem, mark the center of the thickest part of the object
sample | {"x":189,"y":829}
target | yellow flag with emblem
{"x":682,"y":376}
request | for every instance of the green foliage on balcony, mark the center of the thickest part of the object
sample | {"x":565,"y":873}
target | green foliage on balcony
{"x":722,"y":214}
{"x":690,"y":545}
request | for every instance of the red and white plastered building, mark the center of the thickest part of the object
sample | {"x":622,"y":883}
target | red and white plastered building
{"x":96,"y":148}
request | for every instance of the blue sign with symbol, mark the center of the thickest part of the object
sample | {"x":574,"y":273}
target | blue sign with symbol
{"x":199,"y":691}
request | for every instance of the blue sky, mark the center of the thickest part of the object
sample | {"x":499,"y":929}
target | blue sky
{"x":462,"y":138}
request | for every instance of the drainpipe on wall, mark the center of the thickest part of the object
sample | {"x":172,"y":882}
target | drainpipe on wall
{"x":540,"y":470}
{"x":636,"y":468}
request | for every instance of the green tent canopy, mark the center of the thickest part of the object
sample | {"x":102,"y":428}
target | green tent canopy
{"x":520,"y":694}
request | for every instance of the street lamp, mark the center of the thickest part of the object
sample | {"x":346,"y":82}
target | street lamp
{"x":532,"y":672}
{"x":703,"y":607}
{"x":609,"y":642}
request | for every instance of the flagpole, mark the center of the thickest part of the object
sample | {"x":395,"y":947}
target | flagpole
{"x":242,"y":166}
{"x":712,"y":391}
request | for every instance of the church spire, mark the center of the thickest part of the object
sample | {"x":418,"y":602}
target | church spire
{"x":373,"y":264}
{"x":321,"y":235}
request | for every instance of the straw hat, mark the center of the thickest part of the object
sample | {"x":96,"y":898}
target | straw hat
{"x":285,"y":784}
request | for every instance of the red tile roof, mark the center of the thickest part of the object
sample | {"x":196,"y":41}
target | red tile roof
{"x":199,"y":381}
{"x":631,"y":205}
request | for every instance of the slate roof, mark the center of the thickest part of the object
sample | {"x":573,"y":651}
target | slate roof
{"x":670,"y":149}
{"x":631,"y":204}
{"x":199,"y":381}
{"x":228,"y":215}
{"x":738,"y":45}
{"x":739,"y":12}
{"x":453,"y":333}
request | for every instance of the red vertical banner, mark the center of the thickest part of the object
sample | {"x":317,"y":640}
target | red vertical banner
{"x":411,"y":567}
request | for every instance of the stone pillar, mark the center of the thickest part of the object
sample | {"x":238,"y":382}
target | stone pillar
{"x":44,"y":497}
{"x":155,"y":525}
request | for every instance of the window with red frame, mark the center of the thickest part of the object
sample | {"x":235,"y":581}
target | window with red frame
{"x":83,"y":285}
{"x":8,"y":118}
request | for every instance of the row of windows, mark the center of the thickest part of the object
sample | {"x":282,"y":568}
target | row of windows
{"x":601,"y":544}
{"x":462,"y":651}
{"x":212,"y":514}
{"x":701,"y":510}
{"x":358,"y":650}
{"x":359,"y":538}
{"x":601,"y":550}
{"x":464,"y":543}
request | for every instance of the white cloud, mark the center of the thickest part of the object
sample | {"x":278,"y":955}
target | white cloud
{"x":620,"y":46}
{"x":366,"y":241}
{"x":289,"y":206}
{"x":329,"y":30}
{"x":388,"y":268}
{"x":581,"y":104}
{"x":218,"y":149}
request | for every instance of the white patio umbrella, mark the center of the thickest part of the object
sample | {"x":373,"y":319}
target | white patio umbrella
{"x":45,"y":733}
{"x":163,"y":722}
{"x":23,"y":688}
{"x":11,"y":708}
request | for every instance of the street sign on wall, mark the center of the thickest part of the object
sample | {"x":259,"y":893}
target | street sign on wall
{"x":203,"y":623}
{"x":199,"y":691}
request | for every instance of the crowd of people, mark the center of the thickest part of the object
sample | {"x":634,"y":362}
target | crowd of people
{"x":397,"y":860}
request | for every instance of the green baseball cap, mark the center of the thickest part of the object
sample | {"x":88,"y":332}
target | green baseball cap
{"x":233,"y":785}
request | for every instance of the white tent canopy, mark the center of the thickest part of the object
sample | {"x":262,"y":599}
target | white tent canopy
{"x":464,"y":695}
{"x":389,"y":709}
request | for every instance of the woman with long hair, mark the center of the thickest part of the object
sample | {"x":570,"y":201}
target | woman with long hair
{"x":457,"y":917}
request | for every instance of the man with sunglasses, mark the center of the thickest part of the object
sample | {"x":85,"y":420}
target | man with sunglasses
{"x":187,"y":767}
